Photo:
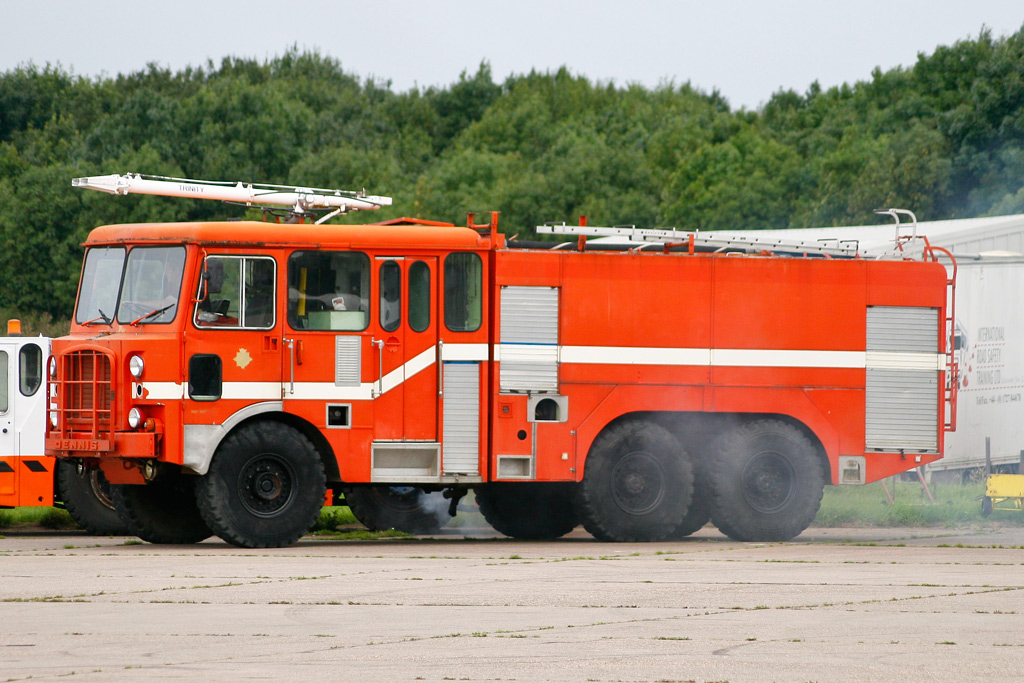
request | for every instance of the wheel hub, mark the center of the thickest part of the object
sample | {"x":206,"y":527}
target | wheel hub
{"x":638,"y":483}
{"x":268,"y":486}
{"x":768,"y":481}
{"x":265,"y":485}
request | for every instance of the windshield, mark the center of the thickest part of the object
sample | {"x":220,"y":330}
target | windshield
{"x":139,"y":288}
{"x":101,"y":277}
{"x":152,"y":283}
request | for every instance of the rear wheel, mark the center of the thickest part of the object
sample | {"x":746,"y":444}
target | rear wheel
{"x":405,"y":508}
{"x":162,"y":511}
{"x":766,"y":482}
{"x":528,"y":510}
{"x":698,"y":514}
{"x":637,"y":485}
{"x":87,"y":497}
{"x":265,"y":486}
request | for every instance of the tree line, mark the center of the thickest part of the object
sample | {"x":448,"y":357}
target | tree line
{"x":944,"y":137}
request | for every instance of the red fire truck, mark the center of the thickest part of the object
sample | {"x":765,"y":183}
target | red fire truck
{"x":27,"y":477}
{"x":223,"y":374}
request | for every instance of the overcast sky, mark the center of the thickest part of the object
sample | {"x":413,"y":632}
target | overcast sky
{"x":747,"y":49}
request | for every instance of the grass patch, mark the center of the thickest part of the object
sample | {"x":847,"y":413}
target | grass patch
{"x":954,"y":506}
{"x":333,"y":518}
{"x":54,"y":519}
{"x":361,"y":535}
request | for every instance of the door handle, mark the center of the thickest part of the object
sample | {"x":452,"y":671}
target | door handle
{"x":291,"y":363}
{"x":440,"y":367}
{"x":379,"y":343}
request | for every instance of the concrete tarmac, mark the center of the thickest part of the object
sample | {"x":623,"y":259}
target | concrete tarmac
{"x":833,"y":605}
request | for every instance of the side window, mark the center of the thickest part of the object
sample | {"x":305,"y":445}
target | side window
{"x":236,"y":291}
{"x":259,"y":293}
{"x":5,"y":382}
{"x":390,"y":296}
{"x":463,"y":292}
{"x":30,"y":369}
{"x":328,"y":290}
{"x":419,"y":296}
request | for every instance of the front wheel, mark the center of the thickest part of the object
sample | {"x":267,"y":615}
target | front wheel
{"x":265,"y":486}
{"x":766,"y":482}
{"x":637,"y":485}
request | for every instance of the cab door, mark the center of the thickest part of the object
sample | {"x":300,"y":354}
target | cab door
{"x":329,"y":361}
{"x":405,"y":344}
{"x":360,"y":359}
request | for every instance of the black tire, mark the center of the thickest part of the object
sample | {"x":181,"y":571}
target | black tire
{"x":637,"y":484}
{"x":697,"y":515}
{"x":528,"y":510}
{"x":986,"y":506}
{"x":405,"y":508}
{"x":163,"y":511}
{"x":766,"y":482}
{"x":265,"y":486}
{"x":87,"y":497}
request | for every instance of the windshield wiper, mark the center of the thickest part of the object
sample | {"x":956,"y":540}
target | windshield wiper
{"x":103,"y":318}
{"x":152,"y":313}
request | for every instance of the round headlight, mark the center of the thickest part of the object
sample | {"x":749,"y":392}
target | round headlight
{"x":136,"y":366}
{"x":134,"y":418}
{"x":53,"y":367}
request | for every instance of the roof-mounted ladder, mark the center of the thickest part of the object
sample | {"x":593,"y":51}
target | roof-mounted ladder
{"x":299,"y":200}
{"x":753,"y":244}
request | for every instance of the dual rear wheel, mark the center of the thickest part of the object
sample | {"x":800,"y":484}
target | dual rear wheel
{"x":760,"y":480}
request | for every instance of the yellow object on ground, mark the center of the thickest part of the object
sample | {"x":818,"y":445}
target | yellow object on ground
{"x":1003,"y":492}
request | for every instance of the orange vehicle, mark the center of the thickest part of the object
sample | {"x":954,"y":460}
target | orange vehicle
{"x":223,"y":374}
{"x":27,"y":477}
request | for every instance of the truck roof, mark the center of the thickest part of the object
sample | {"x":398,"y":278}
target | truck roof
{"x":261,"y":234}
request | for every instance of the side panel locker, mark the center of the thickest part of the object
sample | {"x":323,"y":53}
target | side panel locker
{"x":461,"y":443}
{"x":529,"y":339}
{"x":902,"y":389}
